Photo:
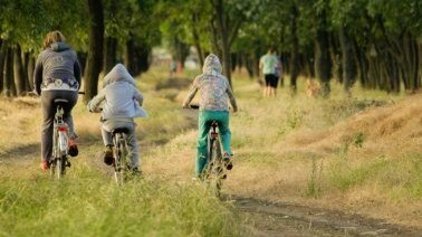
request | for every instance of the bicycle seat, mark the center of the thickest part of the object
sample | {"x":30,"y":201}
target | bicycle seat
{"x":121,"y":130}
{"x":61,"y":101}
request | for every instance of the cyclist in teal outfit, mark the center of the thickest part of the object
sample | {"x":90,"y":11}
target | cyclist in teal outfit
{"x":215,"y":92}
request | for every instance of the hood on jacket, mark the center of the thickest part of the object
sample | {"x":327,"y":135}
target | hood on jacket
{"x":118,"y":73}
{"x":59,"y":46}
{"x":212,"y":65}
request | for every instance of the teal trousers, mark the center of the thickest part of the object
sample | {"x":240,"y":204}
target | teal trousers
{"x":204,"y":124}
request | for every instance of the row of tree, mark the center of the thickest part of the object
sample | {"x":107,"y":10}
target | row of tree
{"x":103,"y":32}
{"x":375,"y":42}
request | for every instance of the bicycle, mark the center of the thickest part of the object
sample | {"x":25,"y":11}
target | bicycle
{"x":215,"y":171}
{"x":60,"y":162}
{"x":121,"y":155}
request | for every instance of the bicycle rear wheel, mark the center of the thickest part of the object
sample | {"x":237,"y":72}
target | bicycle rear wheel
{"x":215,"y":170}
{"x":61,"y":167}
{"x":53,"y":167}
{"x":120,"y":163}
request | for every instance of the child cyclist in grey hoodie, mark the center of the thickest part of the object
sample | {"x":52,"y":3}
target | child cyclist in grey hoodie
{"x":120,"y":101}
{"x":215,"y":92}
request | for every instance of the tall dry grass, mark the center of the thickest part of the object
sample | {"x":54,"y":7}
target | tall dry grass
{"x":88,"y":202}
{"x":361,"y":154}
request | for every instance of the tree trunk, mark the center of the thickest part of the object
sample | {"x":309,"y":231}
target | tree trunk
{"x":420,"y":62}
{"x":362,"y":65}
{"x":234,"y":61}
{"x":197,"y":40}
{"x":336,"y":56}
{"x":143,"y":58}
{"x":129,"y":55}
{"x":3,"y":57}
{"x":30,"y":70}
{"x":18,"y":72}
{"x":25,"y":61}
{"x":95,"y":51}
{"x":294,"y":54}
{"x":249,"y":64}
{"x":223,"y":37}
{"x":110,"y":53}
{"x":348,"y":60}
{"x":9,"y":85}
{"x":322,"y":60}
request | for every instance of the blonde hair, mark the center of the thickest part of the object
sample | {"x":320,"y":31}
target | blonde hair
{"x":53,"y":37}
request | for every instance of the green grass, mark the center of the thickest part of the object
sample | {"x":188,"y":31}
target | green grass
{"x":343,"y":177}
{"x":400,"y":178}
{"x":89,"y":205}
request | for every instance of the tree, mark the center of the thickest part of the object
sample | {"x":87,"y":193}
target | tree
{"x":227,"y":18}
{"x":95,"y":52}
{"x":322,"y":55}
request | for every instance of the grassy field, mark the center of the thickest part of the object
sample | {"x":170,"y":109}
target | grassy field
{"x":361,"y":155}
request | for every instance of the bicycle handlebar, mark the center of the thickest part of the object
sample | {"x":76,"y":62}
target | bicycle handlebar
{"x":196,"y":107}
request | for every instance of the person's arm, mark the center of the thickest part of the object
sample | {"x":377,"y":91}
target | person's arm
{"x":77,"y":72}
{"x":37,"y":77}
{"x":138,"y":97}
{"x":232,"y":99}
{"x":94,"y":103}
{"x":193,"y":89}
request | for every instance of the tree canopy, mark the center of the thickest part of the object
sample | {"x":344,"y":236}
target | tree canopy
{"x":374,"y":42}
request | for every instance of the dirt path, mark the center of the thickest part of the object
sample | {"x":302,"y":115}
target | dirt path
{"x":263,"y":218}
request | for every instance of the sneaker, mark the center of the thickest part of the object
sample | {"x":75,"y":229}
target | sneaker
{"x":73,"y":148}
{"x":108,"y":155}
{"x":136,"y":172}
{"x":227,"y":161}
{"x":45,"y":165}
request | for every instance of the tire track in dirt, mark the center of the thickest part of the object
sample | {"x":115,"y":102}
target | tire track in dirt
{"x":263,"y":218}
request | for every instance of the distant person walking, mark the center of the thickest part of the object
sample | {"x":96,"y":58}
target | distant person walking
{"x":57,"y":75}
{"x":268,"y":64}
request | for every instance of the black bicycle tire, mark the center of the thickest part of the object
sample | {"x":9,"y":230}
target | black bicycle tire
{"x":119,"y":163}
{"x":52,"y":167}
{"x":59,"y":168}
{"x":208,"y":168}
{"x":214,"y":180}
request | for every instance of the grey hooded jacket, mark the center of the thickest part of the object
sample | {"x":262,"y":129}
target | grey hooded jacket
{"x":119,"y":98}
{"x":57,"y":68}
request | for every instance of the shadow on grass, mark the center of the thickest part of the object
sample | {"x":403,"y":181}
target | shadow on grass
{"x":175,"y":83}
{"x":20,"y":151}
